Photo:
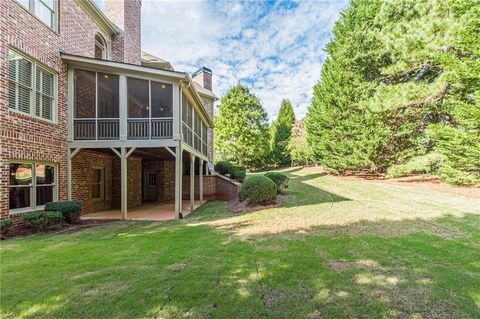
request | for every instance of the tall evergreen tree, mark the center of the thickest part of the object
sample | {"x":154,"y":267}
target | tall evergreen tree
{"x":402,"y":79}
{"x":241,"y":128}
{"x":281,"y":131}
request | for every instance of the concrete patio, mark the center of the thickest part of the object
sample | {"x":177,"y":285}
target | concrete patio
{"x":157,"y":211}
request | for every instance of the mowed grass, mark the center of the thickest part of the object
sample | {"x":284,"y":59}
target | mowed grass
{"x":338,"y":248}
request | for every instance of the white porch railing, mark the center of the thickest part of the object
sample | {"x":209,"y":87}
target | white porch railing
{"x":109,"y":129}
{"x":151,"y":128}
{"x":96,"y":129}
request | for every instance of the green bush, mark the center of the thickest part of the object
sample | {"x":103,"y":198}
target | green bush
{"x":69,"y":209}
{"x":223,"y":167}
{"x":238,"y":173}
{"x":281,"y":180}
{"x":5,"y":226}
{"x":454,"y":176}
{"x":43,"y":220}
{"x":423,"y":164}
{"x":258,"y":189}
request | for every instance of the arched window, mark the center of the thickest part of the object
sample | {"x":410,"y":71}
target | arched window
{"x":100,"y":47}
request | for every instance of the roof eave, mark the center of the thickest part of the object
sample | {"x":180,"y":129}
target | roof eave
{"x":81,"y":61}
{"x":99,"y":17}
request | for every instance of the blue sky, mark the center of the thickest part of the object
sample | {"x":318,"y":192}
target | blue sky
{"x":274,"y":47}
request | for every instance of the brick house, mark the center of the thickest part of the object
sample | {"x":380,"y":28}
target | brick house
{"x":85,"y":115}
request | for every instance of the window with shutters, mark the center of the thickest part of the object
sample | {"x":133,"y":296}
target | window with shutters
{"x":31,"y":87}
{"x":45,"y":10}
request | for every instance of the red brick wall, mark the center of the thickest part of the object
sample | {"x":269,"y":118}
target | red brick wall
{"x":126,"y":14}
{"x":82,"y":177}
{"x":21,"y":136}
{"x":134,"y":182}
{"x":215,"y":187}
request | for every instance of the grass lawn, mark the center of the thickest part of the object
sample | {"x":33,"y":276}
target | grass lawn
{"x":339,"y":248}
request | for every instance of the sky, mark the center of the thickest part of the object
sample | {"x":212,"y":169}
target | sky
{"x":276,"y":48}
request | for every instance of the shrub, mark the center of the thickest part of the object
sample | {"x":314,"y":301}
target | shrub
{"x":223,"y":167}
{"x":454,"y":176}
{"x":281,"y":180}
{"x":5,"y":226}
{"x":238,"y":172}
{"x":258,"y":189}
{"x":69,"y":209}
{"x":423,"y":164}
{"x":43,"y":220}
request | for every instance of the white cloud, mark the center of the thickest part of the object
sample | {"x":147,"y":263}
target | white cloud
{"x":276,"y":49}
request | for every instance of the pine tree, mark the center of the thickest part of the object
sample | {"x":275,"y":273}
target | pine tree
{"x":402,"y":79}
{"x":297,"y":145}
{"x":281,"y":131}
{"x":241,"y":128}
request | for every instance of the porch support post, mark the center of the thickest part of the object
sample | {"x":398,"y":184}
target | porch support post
{"x":192,"y":182}
{"x":70,"y":155}
{"x":200,"y":182}
{"x":123,"y":183}
{"x":178,"y":180}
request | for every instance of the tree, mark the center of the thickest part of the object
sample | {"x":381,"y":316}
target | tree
{"x":241,"y":128}
{"x":297,"y":145}
{"x":402,"y":79}
{"x":280,"y":133}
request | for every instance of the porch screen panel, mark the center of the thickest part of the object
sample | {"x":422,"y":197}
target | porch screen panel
{"x":108,"y":97}
{"x":138,"y":109}
{"x":84,"y":94}
{"x":138,"y":98}
{"x":84,"y":113}
{"x":162,"y":99}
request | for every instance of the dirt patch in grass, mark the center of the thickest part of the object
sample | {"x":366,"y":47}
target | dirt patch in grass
{"x":236,"y":206}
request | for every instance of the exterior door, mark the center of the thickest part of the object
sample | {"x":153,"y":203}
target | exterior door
{"x":151,"y":186}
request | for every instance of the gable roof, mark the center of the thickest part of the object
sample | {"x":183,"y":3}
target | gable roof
{"x":99,"y":17}
{"x":153,"y":61}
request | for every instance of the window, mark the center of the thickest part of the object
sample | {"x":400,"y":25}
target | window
{"x":100,"y":48}
{"x":98,"y":183}
{"x":45,"y":10}
{"x":32,"y":185}
{"x":31,"y":88}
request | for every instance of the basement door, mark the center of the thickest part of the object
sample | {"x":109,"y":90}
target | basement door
{"x":150,"y":190}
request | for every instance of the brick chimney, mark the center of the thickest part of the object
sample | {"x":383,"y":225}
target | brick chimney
{"x":126,"y":14}
{"x":203,"y":76}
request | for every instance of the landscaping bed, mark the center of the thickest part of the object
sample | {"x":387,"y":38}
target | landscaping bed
{"x":25,"y":231}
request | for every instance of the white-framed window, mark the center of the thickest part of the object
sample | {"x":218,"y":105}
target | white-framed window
{"x":31,"y":87}
{"x":98,"y":183}
{"x":45,"y":10}
{"x":31,"y":185}
{"x":100,"y":47}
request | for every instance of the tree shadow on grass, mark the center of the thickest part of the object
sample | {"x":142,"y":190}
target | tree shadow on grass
{"x":180,"y":270}
{"x":307,"y":194}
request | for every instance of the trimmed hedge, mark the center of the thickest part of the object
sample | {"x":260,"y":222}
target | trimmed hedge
{"x":43,"y":220}
{"x":259,"y":190}
{"x":223,"y":167}
{"x":5,"y":226}
{"x":69,"y":209}
{"x":238,"y":172}
{"x":281,"y":180}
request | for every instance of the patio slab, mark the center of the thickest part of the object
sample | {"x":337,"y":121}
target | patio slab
{"x":157,"y":211}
